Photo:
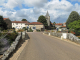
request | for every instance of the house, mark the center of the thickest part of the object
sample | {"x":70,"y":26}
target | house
{"x":35,"y":25}
{"x":18,"y":24}
{"x":58,"y":25}
{"x":8,"y":22}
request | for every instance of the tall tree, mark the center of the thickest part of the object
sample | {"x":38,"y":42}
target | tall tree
{"x":75,"y":26}
{"x":24,"y":20}
{"x":72,"y":17}
{"x":42,"y":19}
{"x":3,"y":24}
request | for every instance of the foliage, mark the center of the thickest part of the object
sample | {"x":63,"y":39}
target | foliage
{"x":3,"y":25}
{"x":23,"y":20}
{"x":37,"y":30}
{"x":30,"y":30}
{"x":11,"y":37}
{"x":74,"y":16}
{"x":20,"y":30}
{"x":54,"y":23}
{"x":75,"y":26}
{"x":42,"y":19}
{"x":24,"y":28}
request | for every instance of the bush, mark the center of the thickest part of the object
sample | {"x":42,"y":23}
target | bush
{"x":11,"y":37}
{"x":24,"y":28}
{"x":37,"y":30}
{"x":20,"y":30}
{"x":30,"y":30}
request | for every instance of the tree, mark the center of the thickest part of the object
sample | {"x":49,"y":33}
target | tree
{"x":42,"y":19}
{"x":24,"y":20}
{"x":3,"y":25}
{"x":75,"y":26}
{"x":72,"y":17}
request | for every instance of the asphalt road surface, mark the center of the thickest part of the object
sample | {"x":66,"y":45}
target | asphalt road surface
{"x":43,"y":47}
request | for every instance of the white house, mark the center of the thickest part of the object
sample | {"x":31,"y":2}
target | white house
{"x":18,"y":24}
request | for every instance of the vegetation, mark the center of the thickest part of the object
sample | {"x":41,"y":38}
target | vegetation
{"x":74,"y":16}
{"x":11,"y":37}
{"x":24,"y":20}
{"x":3,"y":25}
{"x":37,"y":30}
{"x":20,"y":30}
{"x":75,"y":27}
{"x":24,"y":28}
{"x":42,"y":19}
{"x":30,"y":30}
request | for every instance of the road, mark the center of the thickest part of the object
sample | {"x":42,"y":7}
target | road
{"x":44,"y":47}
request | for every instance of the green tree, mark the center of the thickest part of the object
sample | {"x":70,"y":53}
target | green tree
{"x":3,"y":25}
{"x":54,"y":23}
{"x":23,"y":20}
{"x":75,"y":26}
{"x":72,"y":17}
{"x":42,"y":19}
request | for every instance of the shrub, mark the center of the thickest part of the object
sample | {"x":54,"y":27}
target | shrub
{"x":30,"y":30}
{"x":11,"y":37}
{"x":37,"y":30}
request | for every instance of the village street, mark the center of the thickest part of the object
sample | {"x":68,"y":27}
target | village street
{"x":44,"y":47}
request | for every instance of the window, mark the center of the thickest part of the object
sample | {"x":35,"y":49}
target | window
{"x":21,"y":23}
{"x":27,"y":27}
{"x":34,"y":27}
{"x":13,"y":23}
{"x":16,"y":23}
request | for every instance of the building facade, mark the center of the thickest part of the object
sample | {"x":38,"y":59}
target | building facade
{"x":34,"y":25}
{"x":18,"y":24}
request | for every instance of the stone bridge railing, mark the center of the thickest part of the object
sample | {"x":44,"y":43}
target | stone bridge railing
{"x":13,"y":45}
{"x":69,"y":36}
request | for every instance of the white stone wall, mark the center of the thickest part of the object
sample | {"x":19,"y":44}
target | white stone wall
{"x":18,"y":25}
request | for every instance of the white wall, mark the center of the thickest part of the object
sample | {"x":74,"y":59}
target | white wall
{"x":19,"y":26}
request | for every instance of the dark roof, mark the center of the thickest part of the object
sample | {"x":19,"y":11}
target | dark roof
{"x":5,"y":18}
{"x":19,"y":22}
{"x":34,"y":23}
{"x":58,"y":24}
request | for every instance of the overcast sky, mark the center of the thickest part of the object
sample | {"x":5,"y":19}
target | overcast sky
{"x":59,"y":10}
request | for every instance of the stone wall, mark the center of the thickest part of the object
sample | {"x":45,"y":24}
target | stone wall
{"x":13,"y":45}
{"x":69,"y":36}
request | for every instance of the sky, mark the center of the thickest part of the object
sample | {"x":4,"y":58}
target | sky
{"x":59,"y":10}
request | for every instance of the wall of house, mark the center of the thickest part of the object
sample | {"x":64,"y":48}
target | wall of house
{"x":18,"y":25}
{"x":9,"y":23}
{"x":58,"y":26}
{"x":37,"y":26}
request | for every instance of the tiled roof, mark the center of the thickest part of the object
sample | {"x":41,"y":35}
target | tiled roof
{"x":5,"y":18}
{"x":35,"y":23}
{"x":19,"y":22}
{"x":58,"y":24}
{"x":63,"y":26}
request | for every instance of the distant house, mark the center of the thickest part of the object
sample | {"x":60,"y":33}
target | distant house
{"x":18,"y":24}
{"x":8,"y":22}
{"x":58,"y":25}
{"x":35,"y":25}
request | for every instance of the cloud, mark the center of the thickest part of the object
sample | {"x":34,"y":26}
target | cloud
{"x":36,"y":3}
{"x":13,"y":3}
{"x":58,"y":10}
